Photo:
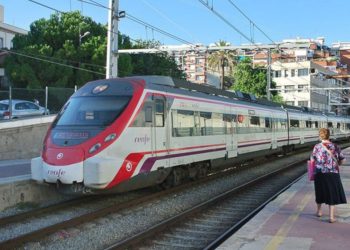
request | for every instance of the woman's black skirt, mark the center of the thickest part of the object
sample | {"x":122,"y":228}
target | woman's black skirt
{"x":329,"y":189}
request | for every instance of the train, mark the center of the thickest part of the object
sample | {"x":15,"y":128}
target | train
{"x":122,"y":134}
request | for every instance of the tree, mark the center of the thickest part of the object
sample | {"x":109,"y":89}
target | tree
{"x":78,"y":59}
{"x":252,"y":80}
{"x":57,"y":39}
{"x":221,"y":59}
{"x":154,"y":64}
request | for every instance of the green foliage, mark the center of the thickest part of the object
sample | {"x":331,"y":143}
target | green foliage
{"x":219,"y":60}
{"x":154,"y":64}
{"x":252,"y":80}
{"x":58,"y":39}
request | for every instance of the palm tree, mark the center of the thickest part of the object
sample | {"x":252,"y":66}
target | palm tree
{"x":221,"y":59}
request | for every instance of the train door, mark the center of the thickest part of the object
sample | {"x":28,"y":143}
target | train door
{"x":271,"y":127}
{"x":160,"y":128}
{"x":303,"y":129}
{"x":231,"y":135}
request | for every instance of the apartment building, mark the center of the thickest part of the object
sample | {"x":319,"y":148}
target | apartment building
{"x":7,"y":33}
{"x":307,"y":84}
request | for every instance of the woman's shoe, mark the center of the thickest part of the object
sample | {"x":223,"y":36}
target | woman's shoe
{"x":332,"y":220}
{"x":319,"y":214}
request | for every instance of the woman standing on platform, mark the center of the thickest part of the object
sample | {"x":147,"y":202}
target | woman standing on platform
{"x":328,"y":187}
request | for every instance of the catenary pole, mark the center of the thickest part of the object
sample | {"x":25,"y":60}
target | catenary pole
{"x":268,"y":87}
{"x":112,"y":40}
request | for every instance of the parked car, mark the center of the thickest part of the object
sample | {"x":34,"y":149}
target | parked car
{"x":20,"y":108}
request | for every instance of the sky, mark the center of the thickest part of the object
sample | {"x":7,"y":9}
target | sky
{"x":192,"y":21}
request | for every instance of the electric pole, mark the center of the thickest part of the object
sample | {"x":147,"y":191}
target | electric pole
{"x":112,"y":40}
{"x":268,"y":85}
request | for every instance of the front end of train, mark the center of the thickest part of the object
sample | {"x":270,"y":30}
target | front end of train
{"x":79,"y":152}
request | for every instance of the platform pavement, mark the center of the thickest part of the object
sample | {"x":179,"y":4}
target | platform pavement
{"x":16,"y":187}
{"x":290,"y":222}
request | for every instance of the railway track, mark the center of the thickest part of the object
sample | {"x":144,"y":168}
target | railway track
{"x":208,"y":224}
{"x":126,"y":208}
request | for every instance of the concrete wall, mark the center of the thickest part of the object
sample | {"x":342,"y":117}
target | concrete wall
{"x":15,"y":192}
{"x":23,"y":139}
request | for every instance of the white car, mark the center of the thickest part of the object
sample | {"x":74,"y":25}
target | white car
{"x":20,"y":108}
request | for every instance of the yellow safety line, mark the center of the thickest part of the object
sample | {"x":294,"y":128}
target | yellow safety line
{"x":284,"y":229}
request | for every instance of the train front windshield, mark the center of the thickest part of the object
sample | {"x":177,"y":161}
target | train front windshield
{"x":85,"y":116}
{"x":92,"y":111}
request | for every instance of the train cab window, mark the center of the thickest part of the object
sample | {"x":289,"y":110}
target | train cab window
{"x":159,"y":113}
{"x":294,"y":123}
{"x":148,"y":114}
{"x":330,"y":125}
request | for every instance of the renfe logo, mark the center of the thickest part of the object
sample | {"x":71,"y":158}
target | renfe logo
{"x":59,"y":156}
{"x":58,"y":173}
{"x":144,"y":139}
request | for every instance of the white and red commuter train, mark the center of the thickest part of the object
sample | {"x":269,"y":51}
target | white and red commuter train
{"x":121,"y":134}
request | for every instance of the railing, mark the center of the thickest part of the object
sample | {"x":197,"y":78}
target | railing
{"x":51,"y":98}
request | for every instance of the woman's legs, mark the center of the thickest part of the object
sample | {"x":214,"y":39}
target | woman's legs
{"x":319,"y":210}
{"x":331,"y":213}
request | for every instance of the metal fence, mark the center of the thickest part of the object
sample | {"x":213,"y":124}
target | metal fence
{"x":51,"y":98}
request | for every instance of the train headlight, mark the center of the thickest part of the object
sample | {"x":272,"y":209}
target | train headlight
{"x":94,"y":148}
{"x":110,"y":137}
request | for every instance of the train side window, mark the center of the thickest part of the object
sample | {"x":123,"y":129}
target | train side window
{"x":316,"y":124}
{"x":159,"y":113}
{"x":294,"y":123}
{"x":330,"y":125}
{"x":267,"y":122}
{"x":218,"y":124}
{"x":230,"y":123}
{"x":206,"y":123}
{"x":183,"y":123}
{"x":338,"y":125}
{"x":255,"y":121}
{"x":283,"y":123}
{"x":308,"y":124}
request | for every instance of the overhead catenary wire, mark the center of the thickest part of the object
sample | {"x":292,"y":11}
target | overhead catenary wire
{"x":53,"y":60}
{"x":251,"y":21}
{"x":137,"y":20}
{"x":228,"y":22}
{"x":48,"y":61}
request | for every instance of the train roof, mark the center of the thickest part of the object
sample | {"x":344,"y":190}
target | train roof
{"x":212,"y":92}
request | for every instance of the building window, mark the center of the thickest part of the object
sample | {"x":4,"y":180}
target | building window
{"x":291,"y":103}
{"x":199,"y":69}
{"x":293,"y":72}
{"x":285,"y":73}
{"x":1,"y":42}
{"x":278,"y":73}
{"x":302,"y":88}
{"x":289,"y":88}
{"x":303,"y":103}
{"x":303,"y":72}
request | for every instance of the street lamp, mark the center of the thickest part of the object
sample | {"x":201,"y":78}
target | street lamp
{"x":82,"y":36}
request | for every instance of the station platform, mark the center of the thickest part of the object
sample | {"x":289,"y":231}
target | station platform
{"x":290,"y":221}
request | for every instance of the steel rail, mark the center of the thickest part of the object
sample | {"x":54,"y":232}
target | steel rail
{"x":134,"y":241}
